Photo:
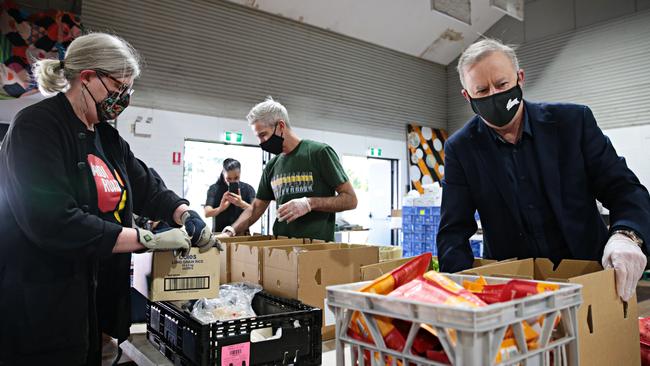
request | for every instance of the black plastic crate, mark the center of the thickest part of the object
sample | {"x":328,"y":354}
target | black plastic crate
{"x":187,"y":342}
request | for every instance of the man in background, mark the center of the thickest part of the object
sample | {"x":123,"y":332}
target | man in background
{"x":305,"y":178}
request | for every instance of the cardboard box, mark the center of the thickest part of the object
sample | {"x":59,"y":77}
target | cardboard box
{"x":608,"y":332}
{"x":246,"y":238}
{"x":304,"y":272}
{"x":246,"y":259}
{"x":160,"y":276}
{"x":373,"y":271}
{"x":387,"y":253}
{"x":224,"y":271}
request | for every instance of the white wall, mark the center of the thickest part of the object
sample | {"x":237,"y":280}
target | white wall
{"x":633,"y":143}
{"x":170,"y":129}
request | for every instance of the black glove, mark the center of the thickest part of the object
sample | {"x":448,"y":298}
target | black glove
{"x":195,"y":226}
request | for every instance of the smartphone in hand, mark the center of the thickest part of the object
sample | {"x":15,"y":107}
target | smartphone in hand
{"x":233,"y":187}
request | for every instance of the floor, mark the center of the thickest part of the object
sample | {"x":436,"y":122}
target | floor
{"x":329,"y":354}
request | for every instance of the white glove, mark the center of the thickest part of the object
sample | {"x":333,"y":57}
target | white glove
{"x":628,"y":261}
{"x":170,"y":239}
{"x":294,"y":209}
{"x":227,"y":232}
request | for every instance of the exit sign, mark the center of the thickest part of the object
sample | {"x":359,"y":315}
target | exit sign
{"x":234,"y":137}
{"x":374,"y":151}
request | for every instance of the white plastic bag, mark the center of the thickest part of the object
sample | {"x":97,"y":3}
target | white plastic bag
{"x":234,"y":302}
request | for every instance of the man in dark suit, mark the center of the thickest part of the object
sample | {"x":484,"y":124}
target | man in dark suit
{"x":534,"y":172}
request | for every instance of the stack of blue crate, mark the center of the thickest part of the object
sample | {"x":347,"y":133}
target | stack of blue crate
{"x":419,"y":227}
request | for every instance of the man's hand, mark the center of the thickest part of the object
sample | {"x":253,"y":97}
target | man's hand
{"x":294,"y":209}
{"x":170,"y":239}
{"x":227,"y":232}
{"x":196,"y":228}
{"x":628,"y":261}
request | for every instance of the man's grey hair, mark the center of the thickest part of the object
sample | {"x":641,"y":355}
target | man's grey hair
{"x":479,"y":50}
{"x":268,"y":112}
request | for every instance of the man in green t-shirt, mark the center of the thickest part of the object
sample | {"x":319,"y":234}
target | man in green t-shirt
{"x":305,"y":179}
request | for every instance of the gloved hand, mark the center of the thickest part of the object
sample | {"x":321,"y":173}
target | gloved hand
{"x":214,"y":242}
{"x":294,"y":209}
{"x":227,"y":232}
{"x":170,"y":239}
{"x":628,"y":261}
{"x":196,"y":229}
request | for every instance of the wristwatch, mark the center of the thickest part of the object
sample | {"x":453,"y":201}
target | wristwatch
{"x":632,"y":235}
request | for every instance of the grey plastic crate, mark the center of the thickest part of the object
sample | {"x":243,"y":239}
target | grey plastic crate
{"x":479,"y":332}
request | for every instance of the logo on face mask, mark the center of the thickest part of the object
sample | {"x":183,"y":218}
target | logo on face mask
{"x":512,"y":103}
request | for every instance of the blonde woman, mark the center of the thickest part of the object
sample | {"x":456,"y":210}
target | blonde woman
{"x":69,"y":188}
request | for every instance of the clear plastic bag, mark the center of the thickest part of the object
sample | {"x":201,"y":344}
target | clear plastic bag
{"x":234,"y":302}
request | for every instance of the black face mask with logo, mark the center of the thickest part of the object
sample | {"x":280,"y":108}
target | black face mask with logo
{"x":274,"y":143}
{"x":498,"y":109}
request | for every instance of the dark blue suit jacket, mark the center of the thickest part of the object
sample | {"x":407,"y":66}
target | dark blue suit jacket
{"x":577,"y":164}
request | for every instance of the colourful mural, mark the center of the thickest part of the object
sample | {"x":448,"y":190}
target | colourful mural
{"x":426,"y":155}
{"x":25,"y":38}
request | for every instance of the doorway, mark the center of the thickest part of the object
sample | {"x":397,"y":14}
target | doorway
{"x":375,"y":181}
{"x":203,"y":163}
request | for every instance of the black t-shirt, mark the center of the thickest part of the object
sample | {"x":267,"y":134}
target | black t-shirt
{"x":230,"y":215}
{"x":111,"y":195}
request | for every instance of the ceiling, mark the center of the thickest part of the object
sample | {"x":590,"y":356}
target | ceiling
{"x":411,"y":27}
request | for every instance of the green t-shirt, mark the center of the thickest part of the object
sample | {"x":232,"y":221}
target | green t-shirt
{"x":312,"y":169}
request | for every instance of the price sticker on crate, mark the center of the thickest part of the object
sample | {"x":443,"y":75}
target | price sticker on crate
{"x":236,"y":355}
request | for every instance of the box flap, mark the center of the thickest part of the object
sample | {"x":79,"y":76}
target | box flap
{"x":567,"y":268}
{"x":244,"y":263}
{"x":516,"y":268}
{"x":241,"y":239}
{"x":247,"y":259}
{"x":280,"y":269}
{"x":373,"y":271}
{"x":276,"y":242}
{"x":224,"y":264}
{"x":480,"y":262}
{"x":607,"y":327}
{"x":319,"y":269}
{"x":334,"y":246}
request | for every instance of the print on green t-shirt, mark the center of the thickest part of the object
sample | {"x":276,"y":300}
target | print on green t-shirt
{"x":312,"y":169}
